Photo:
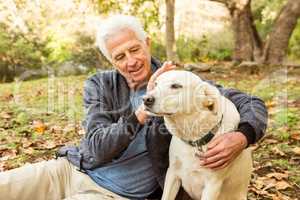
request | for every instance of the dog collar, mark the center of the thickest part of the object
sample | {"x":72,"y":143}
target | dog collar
{"x":206,"y":138}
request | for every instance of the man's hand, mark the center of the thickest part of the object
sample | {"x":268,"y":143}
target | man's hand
{"x":167,"y":66}
{"x":222,"y":150}
{"x":140,"y":112}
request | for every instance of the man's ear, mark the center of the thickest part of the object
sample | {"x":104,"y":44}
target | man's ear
{"x":148,"y":42}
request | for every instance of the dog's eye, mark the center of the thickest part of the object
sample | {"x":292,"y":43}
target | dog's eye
{"x":176,"y":86}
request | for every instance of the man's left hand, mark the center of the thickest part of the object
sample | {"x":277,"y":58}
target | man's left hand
{"x":222,"y":150}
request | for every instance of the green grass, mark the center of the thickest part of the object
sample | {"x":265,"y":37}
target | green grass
{"x":55,"y":102}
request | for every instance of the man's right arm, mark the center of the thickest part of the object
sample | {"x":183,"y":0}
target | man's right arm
{"x":106,"y":137}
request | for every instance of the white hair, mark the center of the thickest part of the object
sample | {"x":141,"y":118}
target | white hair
{"x":115,"y":24}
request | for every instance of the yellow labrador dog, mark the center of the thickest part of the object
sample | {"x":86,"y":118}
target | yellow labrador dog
{"x":195,"y":112}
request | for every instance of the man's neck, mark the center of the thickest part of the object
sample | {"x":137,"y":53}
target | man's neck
{"x":139,"y":85}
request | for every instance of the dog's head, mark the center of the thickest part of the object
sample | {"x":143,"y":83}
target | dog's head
{"x":181,"y":93}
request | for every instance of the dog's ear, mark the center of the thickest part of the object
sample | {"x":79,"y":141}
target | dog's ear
{"x":210,"y":98}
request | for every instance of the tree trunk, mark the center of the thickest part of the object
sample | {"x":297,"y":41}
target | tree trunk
{"x":170,"y":33}
{"x":277,"y":44}
{"x":248,"y":45}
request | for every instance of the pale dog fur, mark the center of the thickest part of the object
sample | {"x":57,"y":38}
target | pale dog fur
{"x":190,"y":112}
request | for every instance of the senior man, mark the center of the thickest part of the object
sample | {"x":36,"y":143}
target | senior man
{"x":124,"y":154}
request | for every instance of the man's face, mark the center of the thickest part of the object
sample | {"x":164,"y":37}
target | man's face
{"x":130,"y":56}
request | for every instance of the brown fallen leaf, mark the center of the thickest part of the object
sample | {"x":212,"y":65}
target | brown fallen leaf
{"x":295,"y":136}
{"x":8,"y":96}
{"x":81,"y":132}
{"x":282,"y":196}
{"x":282,"y":185}
{"x":5,"y":115}
{"x":69,"y":128}
{"x":277,"y":151}
{"x":270,"y":141}
{"x":39,"y":126}
{"x":56,"y":129}
{"x":3,"y":148}
{"x":9,"y":154}
{"x":3,"y":166}
{"x":270,"y":103}
{"x":49,"y":144}
{"x":278,"y":176}
{"x":26,"y":143}
{"x":296,"y":150}
{"x":29,"y":151}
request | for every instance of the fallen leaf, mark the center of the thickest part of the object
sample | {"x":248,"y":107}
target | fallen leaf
{"x":9,"y":154}
{"x":49,"y":144}
{"x":282,"y":185}
{"x":5,"y":115}
{"x":296,"y":150}
{"x":81,"y":132}
{"x":8,"y":96}
{"x":29,"y":151}
{"x":3,"y":166}
{"x":269,"y":183}
{"x":56,"y":129}
{"x":69,"y":128}
{"x":39,"y":126}
{"x":259,"y":183}
{"x":270,"y":141}
{"x":277,"y":151}
{"x":278,"y":176}
{"x":26,"y":143}
{"x":295,"y":136}
{"x":3,"y":148}
{"x":270,"y":103}
{"x":281,"y":196}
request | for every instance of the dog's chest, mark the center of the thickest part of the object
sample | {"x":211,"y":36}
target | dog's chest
{"x":186,"y":166}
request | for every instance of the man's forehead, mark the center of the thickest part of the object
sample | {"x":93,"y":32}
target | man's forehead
{"x":122,"y":40}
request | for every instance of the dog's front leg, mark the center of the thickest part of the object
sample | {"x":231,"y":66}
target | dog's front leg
{"x":211,"y":190}
{"x":172,"y":185}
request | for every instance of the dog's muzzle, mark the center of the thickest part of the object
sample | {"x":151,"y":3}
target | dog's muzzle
{"x":148,"y":100}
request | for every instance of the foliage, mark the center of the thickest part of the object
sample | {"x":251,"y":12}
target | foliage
{"x":158,"y":50}
{"x":19,"y":51}
{"x":294,"y":43}
{"x":39,"y":35}
{"x":265,"y":13}
{"x":208,"y":47}
{"x":146,"y":10}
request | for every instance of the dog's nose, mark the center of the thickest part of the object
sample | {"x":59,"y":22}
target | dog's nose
{"x":148,"y":100}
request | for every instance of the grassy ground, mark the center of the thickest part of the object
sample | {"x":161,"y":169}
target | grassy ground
{"x":37,"y":117}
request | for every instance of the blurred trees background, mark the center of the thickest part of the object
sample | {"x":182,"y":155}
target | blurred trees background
{"x":249,"y":45}
{"x":58,"y":36}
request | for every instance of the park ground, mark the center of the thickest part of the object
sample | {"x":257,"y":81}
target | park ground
{"x":37,"y":117}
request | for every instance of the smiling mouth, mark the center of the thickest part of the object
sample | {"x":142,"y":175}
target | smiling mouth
{"x":136,"y":71}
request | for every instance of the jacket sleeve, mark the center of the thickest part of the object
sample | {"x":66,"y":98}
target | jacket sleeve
{"x":253,"y":113}
{"x":106,"y":136}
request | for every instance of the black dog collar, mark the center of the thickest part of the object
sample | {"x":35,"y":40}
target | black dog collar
{"x":206,"y":138}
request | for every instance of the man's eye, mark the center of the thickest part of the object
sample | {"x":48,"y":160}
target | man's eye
{"x":135,"y":49}
{"x":120,"y":57}
{"x":176,"y":86}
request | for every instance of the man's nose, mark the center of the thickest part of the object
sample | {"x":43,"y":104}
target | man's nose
{"x":148,"y":100}
{"x":131,"y":61}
